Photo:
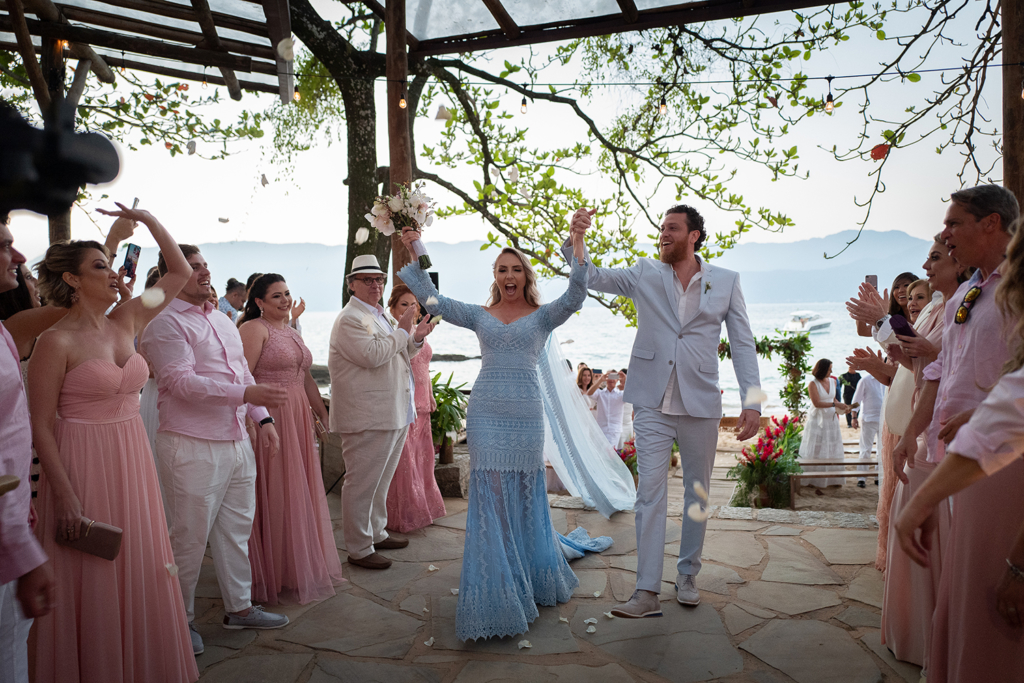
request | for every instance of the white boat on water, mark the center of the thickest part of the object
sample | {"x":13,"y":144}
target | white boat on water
{"x":807,"y":322}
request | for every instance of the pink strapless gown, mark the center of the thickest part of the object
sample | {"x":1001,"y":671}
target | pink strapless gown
{"x":414,"y":501}
{"x":291,"y":550}
{"x":122,"y":621}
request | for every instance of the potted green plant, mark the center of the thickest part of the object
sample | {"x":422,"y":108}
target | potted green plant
{"x":448,"y":417}
{"x":762,"y":472}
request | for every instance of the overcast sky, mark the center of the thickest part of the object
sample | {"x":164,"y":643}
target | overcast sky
{"x":190,"y":194}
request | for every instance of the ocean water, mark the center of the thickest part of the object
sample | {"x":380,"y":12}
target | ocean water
{"x":602,"y":340}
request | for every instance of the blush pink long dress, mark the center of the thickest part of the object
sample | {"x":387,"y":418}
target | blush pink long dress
{"x":123,"y":620}
{"x":414,"y":501}
{"x":291,"y":550}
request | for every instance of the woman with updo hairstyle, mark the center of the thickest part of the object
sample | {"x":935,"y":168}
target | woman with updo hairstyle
{"x":119,"y":620}
{"x":414,"y":500}
{"x":292,"y":551}
{"x":822,"y":439}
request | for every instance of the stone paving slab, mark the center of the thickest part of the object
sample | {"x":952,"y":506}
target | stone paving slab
{"x":386,"y":583}
{"x":778,"y":516}
{"x":591,"y":582}
{"x":629,"y":563}
{"x":844,"y":546}
{"x":349,"y":671}
{"x":790,"y":562}
{"x":782,"y":531}
{"x":810,"y":651}
{"x":429,"y":544}
{"x":787,"y":598}
{"x":858,"y":617}
{"x":734,"y":548}
{"x":734,"y":525}
{"x":275,"y":668}
{"x":547,"y":634}
{"x":737,"y":620}
{"x":716,"y":579}
{"x":456,"y":521}
{"x":354,"y":626}
{"x":514,"y":672}
{"x":867,"y":587}
{"x":911,"y":673}
{"x":439,"y":583}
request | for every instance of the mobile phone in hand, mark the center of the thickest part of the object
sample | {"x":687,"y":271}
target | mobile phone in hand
{"x":131,"y":260}
{"x":135,"y":204}
{"x":871,"y":280}
{"x":900,"y":326}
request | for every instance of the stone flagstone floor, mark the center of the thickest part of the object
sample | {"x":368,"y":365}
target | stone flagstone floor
{"x":784,"y":597}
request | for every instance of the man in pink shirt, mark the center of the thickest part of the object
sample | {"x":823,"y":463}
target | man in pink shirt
{"x":204,"y":458}
{"x":26,"y":582}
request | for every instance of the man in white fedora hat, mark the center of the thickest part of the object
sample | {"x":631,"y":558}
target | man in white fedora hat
{"x":372,"y":406}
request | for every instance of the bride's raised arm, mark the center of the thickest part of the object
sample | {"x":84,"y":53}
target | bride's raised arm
{"x":454,"y":312}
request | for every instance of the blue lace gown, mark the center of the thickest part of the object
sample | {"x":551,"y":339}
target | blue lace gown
{"x":512,"y":560}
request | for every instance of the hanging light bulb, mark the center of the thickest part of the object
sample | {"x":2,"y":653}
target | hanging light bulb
{"x":662,"y":107}
{"x":1022,"y":90}
{"x":402,"y":104}
{"x":296,"y":95}
{"x":442,"y":113}
{"x":829,"y":102}
{"x":522,"y":108}
{"x":205,"y":84}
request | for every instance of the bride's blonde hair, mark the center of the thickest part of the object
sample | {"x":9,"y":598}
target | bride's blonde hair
{"x":530,"y":293}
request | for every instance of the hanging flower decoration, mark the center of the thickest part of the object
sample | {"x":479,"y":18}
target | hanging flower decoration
{"x":409,"y":208}
{"x":879,"y":152}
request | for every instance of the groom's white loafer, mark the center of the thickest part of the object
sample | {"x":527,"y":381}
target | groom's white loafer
{"x":686,"y":590}
{"x":642,"y":604}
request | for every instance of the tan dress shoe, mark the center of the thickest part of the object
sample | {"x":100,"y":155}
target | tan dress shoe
{"x":391,"y":543}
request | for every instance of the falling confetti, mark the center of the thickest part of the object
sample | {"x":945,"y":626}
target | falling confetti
{"x":597,"y":594}
{"x":425,"y":609}
{"x":697,"y":513}
{"x":153,"y":297}
{"x":591,"y":629}
{"x":755,"y":396}
{"x":368,"y":324}
{"x":609,"y":615}
{"x":513,"y":174}
{"x":263,"y":179}
{"x":429,"y":643}
{"x":431,"y":301}
{"x":431,"y":568}
{"x":362,"y":234}
{"x":172,"y":569}
{"x":224,"y":220}
{"x":590,"y":621}
{"x":191,"y":147}
{"x":455,"y":591}
{"x":436,"y":319}
{"x":701,"y":492}
{"x":563,"y":620}
{"x":286,"y":49}
{"x":524,"y":643}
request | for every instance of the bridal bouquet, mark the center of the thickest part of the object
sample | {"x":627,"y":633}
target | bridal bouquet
{"x":409,"y":208}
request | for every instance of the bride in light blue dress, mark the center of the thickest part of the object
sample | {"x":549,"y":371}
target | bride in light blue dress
{"x":512,"y":559}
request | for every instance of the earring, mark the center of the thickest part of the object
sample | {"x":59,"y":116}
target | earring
{"x":74,"y":296}
{"x":261,"y":311}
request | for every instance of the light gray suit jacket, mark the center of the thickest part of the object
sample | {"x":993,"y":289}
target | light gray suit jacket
{"x":370,"y":372}
{"x":664,"y":349}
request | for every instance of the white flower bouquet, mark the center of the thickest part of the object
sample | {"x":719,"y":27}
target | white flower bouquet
{"x":409,"y":208}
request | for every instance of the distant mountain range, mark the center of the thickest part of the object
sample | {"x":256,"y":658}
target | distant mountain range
{"x":770,"y":273}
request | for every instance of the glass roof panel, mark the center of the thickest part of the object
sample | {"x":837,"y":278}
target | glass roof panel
{"x":428,"y":19}
{"x":534,"y":12}
{"x":237,"y":8}
{"x":659,"y":4}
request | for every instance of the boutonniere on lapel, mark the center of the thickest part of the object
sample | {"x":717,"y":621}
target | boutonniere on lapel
{"x":392,"y":321}
{"x":707,"y":287}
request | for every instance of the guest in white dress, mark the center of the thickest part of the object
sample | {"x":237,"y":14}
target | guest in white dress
{"x":822,"y":439}
{"x":627,"y":413}
{"x":609,"y":407}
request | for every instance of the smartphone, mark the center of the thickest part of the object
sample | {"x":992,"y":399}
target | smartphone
{"x":597,"y":372}
{"x":135,"y":204}
{"x":900,"y":326}
{"x":871,"y":280}
{"x":131,"y":260}
{"x":613,"y":377}
{"x":317,"y":424}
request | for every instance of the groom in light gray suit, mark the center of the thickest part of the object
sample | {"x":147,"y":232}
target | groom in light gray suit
{"x":681,"y":303}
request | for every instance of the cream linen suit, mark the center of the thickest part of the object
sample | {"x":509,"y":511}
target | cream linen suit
{"x":371,"y":409}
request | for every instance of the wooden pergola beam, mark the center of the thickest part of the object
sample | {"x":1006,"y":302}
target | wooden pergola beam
{"x":197,"y":78}
{"x":145,"y":46}
{"x":161,"y":31}
{"x":629,"y":11}
{"x":504,"y":19}
{"x":411,"y":41}
{"x":205,"y":19}
{"x":607,"y":25}
{"x":170,"y":10}
{"x":1013,"y":105}
{"x":279,"y":28}
{"x":19,"y":27}
{"x":47,"y":11}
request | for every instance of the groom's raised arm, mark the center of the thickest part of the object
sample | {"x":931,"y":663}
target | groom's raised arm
{"x":621,"y":281}
{"x":741,"y":341}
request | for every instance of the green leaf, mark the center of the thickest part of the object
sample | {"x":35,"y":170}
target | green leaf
{"x":913,"y":77}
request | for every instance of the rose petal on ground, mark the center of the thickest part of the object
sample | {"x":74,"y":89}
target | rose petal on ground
{"x":591,"y":629}
{"x":153,"y":297}
{"x":563,"y":619}
{"x":431,"y":568}
{"x":455,"y":591}
{"x":609,"y":615}
{"x":429,"y":643}
{"x":524,"y":643}
{"x":597,"y":594}
{"x":697,"y":513}
{"x":590,"y":621}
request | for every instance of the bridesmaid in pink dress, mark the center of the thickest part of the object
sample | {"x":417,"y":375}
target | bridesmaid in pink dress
{"x":414,"y":501}
{"x":291,"y":550}
{"x":121,"y":620}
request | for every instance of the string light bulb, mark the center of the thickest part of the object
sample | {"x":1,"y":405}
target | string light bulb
{"x":829,"y":102}
{"x":1022,"y":90}
{"x":402,"y":104}
{"x":662,"y":107}
{"x":296,"y":95}
{"x":522,"y":108}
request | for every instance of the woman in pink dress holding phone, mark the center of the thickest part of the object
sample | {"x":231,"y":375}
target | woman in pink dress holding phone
{"x":291,"y":550}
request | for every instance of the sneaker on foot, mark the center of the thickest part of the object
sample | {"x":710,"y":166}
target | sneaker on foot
{"x":642,"y":604}
{"x":197,"y":640}
{"x":256,"y":618}
{"x":686,"y":590}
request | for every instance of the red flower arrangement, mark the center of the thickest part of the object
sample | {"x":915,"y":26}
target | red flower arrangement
{"x":765,"y":467}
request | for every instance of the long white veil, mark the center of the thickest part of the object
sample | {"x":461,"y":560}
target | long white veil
{"x":573,"y":443}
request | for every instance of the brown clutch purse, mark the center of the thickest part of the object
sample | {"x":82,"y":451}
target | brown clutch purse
{"x":97,"y":538}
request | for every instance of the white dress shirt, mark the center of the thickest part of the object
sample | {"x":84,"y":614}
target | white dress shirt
{"x":870,"y":394}
{"x":687,"y":303}
{"x":378,"y":314}
{"x":609,"y":414}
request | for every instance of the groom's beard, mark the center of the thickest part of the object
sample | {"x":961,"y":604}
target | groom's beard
{"x":674,"y":254}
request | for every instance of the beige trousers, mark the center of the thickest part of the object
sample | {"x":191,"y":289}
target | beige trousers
{"x":209,"y":490}
{"x":371,"y":458}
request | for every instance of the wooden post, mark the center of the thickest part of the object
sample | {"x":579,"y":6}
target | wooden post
{"x":399,"y":140}
{"x":52,"y":63}
{"x":1013,"y":104}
